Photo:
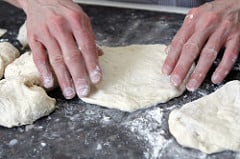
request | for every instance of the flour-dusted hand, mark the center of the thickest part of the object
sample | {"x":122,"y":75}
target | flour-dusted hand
{"x":205,"y":31}
{"x":63,"y":44}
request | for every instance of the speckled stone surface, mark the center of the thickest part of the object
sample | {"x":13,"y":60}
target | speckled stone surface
{"x":79,"y":130}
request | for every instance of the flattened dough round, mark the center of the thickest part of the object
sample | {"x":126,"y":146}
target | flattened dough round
{"x":211,"y":123}
{"x":132,"y":78}
{"x":22,"y":102}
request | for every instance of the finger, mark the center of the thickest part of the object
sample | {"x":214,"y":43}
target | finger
{"x":57,"y":62}
{"x":73,"y":59}
{"x":229,"y":58}
{"x":178,"y":41}
{"x":86,"y":41}
{"x":189,"y":53}
{"x":207,"y":57}
{"x":41,"y":61}
{"x":204,"y":28}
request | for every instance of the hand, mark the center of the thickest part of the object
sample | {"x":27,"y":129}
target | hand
{"x":63,"y":44}
{"x":205,"y":31}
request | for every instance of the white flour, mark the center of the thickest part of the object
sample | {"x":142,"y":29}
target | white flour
{"x":149,"y":131}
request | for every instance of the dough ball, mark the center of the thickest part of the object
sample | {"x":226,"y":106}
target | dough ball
{"x":22,"y":35}
{"x":8,"y":53}
{"x":23,"y":66}
{"x":2,"y":32}
{"x":22,"y":102}
{"x":210,"y":124}
{"x":132,"y":78}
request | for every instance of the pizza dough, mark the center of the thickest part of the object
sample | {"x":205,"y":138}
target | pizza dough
{"x":22,"y":102}
{"x":24,"y":67}
{"x":211,"y":123}
{"x":2,"y":32}
{"x":22,"y":35}
{"x":8,"y":53}
{"x":132,"y":78}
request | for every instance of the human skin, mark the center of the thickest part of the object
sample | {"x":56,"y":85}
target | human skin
{"x":63,"y":44}
{"x":205,"y":30}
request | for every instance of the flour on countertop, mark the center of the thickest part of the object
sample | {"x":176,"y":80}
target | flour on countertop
{"x":146,"y":130}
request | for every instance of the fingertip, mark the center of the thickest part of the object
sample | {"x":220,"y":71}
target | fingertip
{"x":216,"y":78}
{"x":69,"y":92}
{"x":175,"y":80}
{"x":83,"y":91}
{"x":82,"y":87}
{"x":192,"y":85}
{"x":96,"y":75}
{"x":166,"y":69}
{"x":48,"y":82}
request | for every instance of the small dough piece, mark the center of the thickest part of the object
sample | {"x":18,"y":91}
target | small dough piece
{"x":22,"y":35}
{"x":8,"y":53}
{"x":132,"y":78}
{"x":2,"y":32}
{"x":23,"y":66}
{"x":22,"y":102}
{"x":211,"y":123}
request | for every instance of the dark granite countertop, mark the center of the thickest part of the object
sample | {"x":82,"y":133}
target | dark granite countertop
{"x":79,"y":130}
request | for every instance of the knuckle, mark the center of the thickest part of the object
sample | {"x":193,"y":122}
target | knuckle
{"x":79,"y":19}
{"x":177,"y":40}
{"x":75,"y":14}
{"x":39,"y":59}
{"x":190,"y":50}
{"x":181,"y":68}
{"x":57,"y":22}
{"x":175,"y":43}
{"x":194,"y":11}
{"x":32,"y":37}
{"x":211,"y":18}
{"x":72,"y":57}
{"x":209,"y":54}
{"x":56,"y":60}
{"x":207,"y":6}
{"x":227,"y":24}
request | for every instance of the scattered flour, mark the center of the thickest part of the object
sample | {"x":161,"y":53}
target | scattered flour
{"x":149,"y":131}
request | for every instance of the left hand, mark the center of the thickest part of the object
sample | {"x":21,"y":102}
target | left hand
{"x":205,"y":31}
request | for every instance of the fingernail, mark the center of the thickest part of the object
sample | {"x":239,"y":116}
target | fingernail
{"x":216,"y":78}
{"x":83,"y":91}
{"x":166,"y":70}
{"x":48,"y":82}
{"x":175,"y":79}
{"x":69,"y":93}
{"x":192,"y":85}
{"x":95,"y":75}
{"x":82,"y":88}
